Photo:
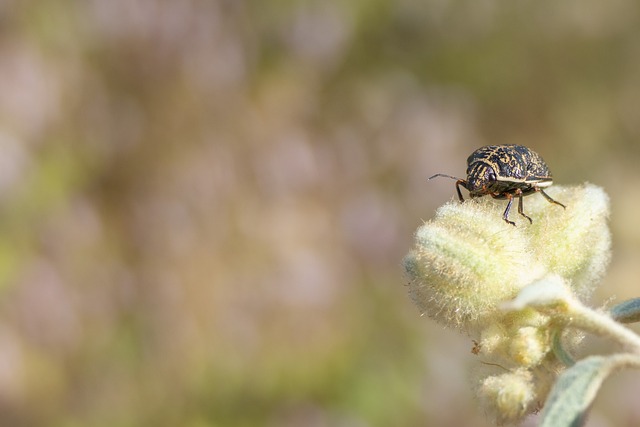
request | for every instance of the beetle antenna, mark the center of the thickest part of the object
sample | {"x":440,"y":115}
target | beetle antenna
{"x":446,"y":176}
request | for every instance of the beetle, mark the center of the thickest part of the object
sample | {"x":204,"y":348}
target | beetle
{"x":505,"y":172}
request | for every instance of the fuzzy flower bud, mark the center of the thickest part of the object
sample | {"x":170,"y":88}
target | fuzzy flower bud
{"x":508,"y":397}
{"x":467,"y":261}
{"x":529,"y":345}
{"x":574,"y":243}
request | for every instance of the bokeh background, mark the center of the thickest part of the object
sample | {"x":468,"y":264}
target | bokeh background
{"x":204,"y":204}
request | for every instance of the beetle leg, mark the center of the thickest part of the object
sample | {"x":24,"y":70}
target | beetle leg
{"x":546,"y":196}
{"x":505,"y":215}
{"x":458,"y":184}
{"x":520,"y":210}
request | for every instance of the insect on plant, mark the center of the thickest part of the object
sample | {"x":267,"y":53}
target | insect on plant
{"x":505,"y":172}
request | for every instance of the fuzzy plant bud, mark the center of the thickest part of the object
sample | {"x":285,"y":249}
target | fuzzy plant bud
{"x":508,"y":397}
{"x":574,"y":243}
{"x":467,"y":261}
{"x":493,"y":339}
{"x":529,"y":345}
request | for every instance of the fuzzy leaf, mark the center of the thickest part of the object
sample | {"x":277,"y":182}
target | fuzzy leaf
{"x":549,"y":290}
{"x":627,"y":311}
{"x":574,"y":392}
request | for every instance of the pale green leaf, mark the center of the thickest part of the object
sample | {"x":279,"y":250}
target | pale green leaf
{"x":574,"y":392}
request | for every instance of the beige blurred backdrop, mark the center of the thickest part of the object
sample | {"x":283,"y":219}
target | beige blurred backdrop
{"x":204,"y":204}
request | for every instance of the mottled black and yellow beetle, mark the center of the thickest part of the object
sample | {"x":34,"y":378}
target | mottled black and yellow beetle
{"x":505,"y":172}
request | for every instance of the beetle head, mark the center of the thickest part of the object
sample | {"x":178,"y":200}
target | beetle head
{"x":481,"y":179}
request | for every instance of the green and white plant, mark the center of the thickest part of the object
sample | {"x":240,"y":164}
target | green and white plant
{"x":520,"y":293}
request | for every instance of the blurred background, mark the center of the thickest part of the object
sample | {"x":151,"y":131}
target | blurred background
{"x":204,"y":204}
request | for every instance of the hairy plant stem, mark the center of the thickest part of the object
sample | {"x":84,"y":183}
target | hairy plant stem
{"x":589,"y":320}
{"x":625,"y":360}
